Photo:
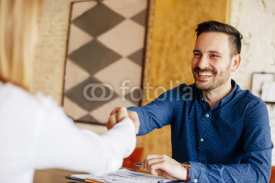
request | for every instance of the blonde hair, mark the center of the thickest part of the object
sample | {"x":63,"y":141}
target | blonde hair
{"x":18,"y":22}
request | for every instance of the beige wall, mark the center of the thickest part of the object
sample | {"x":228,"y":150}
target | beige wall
{"x":51,"y":49}
{"x":255,"y":20}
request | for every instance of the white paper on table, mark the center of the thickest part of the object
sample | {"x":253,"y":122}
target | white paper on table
{"x":123,"y":176}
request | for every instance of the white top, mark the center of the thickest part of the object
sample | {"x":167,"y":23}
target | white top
{"x":35,"y":133}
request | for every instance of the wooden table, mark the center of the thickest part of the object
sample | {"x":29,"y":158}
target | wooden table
{"x":59,"y":175}
{"x":53,"y":176}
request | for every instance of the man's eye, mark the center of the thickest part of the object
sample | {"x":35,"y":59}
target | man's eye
{"x":213,"y":55}
{"x":197,"y":54}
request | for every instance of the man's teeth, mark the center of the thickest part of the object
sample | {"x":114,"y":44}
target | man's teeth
{"x":205,"y":73}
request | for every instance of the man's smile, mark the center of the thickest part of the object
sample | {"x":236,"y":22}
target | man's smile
{"x":204,"y":75}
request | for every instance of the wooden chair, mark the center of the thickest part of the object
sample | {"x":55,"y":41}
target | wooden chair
{"x":272,"y":178}
{"x":135,"y":157}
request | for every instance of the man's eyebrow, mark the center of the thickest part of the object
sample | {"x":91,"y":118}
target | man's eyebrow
{"x":211,"y":51}
{"x":196,"y":51}
{"x":215,"y":52}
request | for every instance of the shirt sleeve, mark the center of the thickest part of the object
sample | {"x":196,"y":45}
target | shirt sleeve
{"x":61,"y":144}
{"x":255,"y":164}
{"x":155,"y":114}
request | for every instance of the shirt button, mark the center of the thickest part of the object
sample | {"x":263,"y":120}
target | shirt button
{"x":195,"y":180}
{"x":202,"y":139}
{"x":207,"y":115}
{"x":201,"y":99}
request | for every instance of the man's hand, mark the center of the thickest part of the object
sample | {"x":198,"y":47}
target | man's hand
{"x":114,"y":118}
{"x":168,"y":167}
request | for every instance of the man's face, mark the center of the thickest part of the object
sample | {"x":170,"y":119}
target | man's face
{"x":211,"y":63}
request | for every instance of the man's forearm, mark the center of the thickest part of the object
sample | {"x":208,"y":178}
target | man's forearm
{"x":253,"y":171}
{"x":150,"y":118}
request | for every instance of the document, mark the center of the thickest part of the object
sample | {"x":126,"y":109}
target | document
{"x":122,"y":176}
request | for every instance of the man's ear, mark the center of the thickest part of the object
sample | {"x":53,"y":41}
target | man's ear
{"x":236,"y":60}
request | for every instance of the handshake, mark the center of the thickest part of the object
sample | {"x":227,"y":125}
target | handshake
{"x":168,"y":167}
{"x":118,"y":114}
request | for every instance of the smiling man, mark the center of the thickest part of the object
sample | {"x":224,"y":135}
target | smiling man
{"x":223,"y":133}
{"x":213,"y":62}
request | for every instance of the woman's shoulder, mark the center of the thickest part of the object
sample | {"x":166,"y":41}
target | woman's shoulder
{"x":13,"y":95}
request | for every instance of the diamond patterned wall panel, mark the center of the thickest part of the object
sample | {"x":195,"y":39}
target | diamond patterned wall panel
{"x":94,"y":56}
{"x":137,"y":56}
{"x":140,"y":18}
{"x":76,"y":94}
{"x":97,"y":20}
{"x":105,"y":54}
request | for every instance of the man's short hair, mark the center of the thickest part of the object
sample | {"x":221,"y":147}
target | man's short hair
{"x":235,"y":36}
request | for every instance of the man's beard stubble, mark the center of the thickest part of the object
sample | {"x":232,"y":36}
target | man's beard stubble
{"x":221,"y":78}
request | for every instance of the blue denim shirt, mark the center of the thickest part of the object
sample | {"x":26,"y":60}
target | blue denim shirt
{"x":229,"y":143}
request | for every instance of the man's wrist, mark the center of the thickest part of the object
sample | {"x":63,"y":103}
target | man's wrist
{"x":187,"y":167}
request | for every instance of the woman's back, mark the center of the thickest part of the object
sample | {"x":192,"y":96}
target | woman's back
{"x":19,"y":131}
{"x":35,"y":133}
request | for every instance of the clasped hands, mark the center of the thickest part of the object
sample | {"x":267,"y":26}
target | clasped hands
{"x":114,"y":118}
{"x":168,"y":167}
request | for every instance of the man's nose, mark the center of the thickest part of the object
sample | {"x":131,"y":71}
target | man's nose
{"x":203,"y":62}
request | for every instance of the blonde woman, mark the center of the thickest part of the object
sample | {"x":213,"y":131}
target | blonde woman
{"x":35,"y":133}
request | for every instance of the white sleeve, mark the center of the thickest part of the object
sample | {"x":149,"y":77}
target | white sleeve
{"x":60,"y":144}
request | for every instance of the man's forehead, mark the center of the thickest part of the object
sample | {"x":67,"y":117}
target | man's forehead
{"x":212,"y":41}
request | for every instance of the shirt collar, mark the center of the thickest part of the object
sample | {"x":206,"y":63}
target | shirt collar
{"x":228,"y":97}
{"x":225,"y":99}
